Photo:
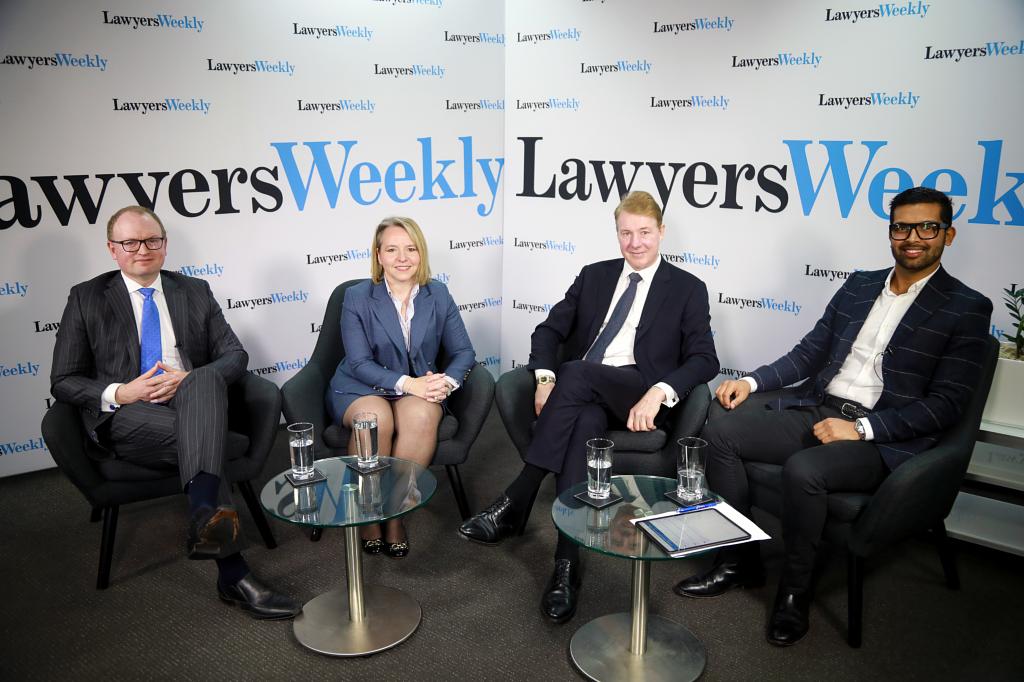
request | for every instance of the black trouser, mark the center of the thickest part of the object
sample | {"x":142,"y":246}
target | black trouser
{"x":578,"y":410}
{"x":754,"y":433}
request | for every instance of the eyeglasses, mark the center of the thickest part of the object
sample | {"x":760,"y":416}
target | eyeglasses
{"x":132,"y":245}
{"x":926,"y":230}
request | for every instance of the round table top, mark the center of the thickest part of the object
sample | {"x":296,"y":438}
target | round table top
{"x":608,"y":530}
{"x":348,"y":498}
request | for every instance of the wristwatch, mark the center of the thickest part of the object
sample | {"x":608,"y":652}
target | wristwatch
{"x":545,"y":379}
{"x":859,"y":428}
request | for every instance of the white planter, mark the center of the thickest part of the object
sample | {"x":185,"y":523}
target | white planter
{"x":1005,"y":404}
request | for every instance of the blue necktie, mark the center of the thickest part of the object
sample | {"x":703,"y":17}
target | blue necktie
{"x":615,"y":322}
{"x":150,"y":351}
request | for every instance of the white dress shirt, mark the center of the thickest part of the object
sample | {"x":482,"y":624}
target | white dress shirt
{"x":168,"y":344}
{"x":620,"y":351}
{"x":860,"y":376}
{"x":406,"y":323}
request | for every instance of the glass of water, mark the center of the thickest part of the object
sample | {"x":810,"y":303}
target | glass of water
{"x":364,"y":432}
{"x":690,"y":484}
{"x":599,"y":467}
{"x":300,"y":444}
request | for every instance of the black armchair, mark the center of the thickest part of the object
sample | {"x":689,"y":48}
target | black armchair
{"x":916,"y":497}
{"x":652,"y":452}
{"x":254,"y":409}
{"x":304,"y":393}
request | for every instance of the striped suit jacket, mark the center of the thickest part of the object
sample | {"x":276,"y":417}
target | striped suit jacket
{"x":929,"y":368}
{"x":98,"y":340}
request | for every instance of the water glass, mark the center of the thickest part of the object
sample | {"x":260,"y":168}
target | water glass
{"x":364,"y":431}
{"x":300,"y":444}
{"x":599,"y":468}
{"x":690,"y":484}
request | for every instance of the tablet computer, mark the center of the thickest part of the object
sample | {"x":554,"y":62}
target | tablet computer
{"x":694,"y":530}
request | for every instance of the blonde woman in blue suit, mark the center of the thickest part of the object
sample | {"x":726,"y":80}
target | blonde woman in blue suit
{"x":393,"y":328}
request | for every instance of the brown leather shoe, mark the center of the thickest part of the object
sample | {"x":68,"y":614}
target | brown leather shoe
{"x":214,"y":533}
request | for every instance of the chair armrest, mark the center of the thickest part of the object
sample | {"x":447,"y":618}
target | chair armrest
{"x":689,"y":417}
{"x":255,"y":410}
{"x":514,"y":395}
{"x":303,"y":398}
{"x":471,"y":403}
{"x":65,"y":437}
{"x":918,"y":494}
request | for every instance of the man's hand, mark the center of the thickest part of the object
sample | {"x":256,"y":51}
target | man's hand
{"x":431,"y":387}
{"x":732,"y":392}
{"x":541,"y":395}
{"x":833,"y":429}
{"x":167,"y":383}
{"x":641,"y":415}
{"x":139,"y":388}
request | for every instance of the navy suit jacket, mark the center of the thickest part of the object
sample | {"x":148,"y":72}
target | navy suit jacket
{"x":98,"y":340}
{"x":673,"y":339}
{"x":375,"y":353}
{"x":929,"y":369}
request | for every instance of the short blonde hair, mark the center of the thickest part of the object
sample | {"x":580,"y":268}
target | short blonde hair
{"x":141,"y":210}
{"x":415,"y":234}
{"x":639,"y":203}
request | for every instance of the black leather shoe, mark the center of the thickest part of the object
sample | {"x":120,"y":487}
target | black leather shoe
{"x":720,"y":579}
{"x":214,"y":533}
{"x":790,"y":619}
{"x":258,"y":599}
{"x":373,"y":546}
{"x":493,"y":524}
{"x":562,"y":593}
{"x":397,"y":550}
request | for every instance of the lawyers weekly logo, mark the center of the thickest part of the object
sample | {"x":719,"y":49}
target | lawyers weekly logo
{"x":766,"y":303}
{"x":480,"y":38}
{"x":697,"y":24}
{"x":552,"y":34}
{"x":343,"y":104}
{"x":779,"y":60}
{"x":169,"y":104}
{"x":295,"y":296}
{"x":60,"y":60}
{"x":332,"y":258}
{"x":870,"y":99}
{"x":187,"y":22}
{"x":272,"y":66}
{"x":343,"y":31}
{"x":690,"y":102}
{"x":281,"y":366}
{"x":886,"y":10}
{"x":14,"y":288}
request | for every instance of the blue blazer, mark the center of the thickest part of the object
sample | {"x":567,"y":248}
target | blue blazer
{"x":929,"y":369}
{"x":375,"y":354}
{"x":673,"y":339}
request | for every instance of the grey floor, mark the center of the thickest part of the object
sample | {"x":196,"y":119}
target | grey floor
{"x":161,"y":618}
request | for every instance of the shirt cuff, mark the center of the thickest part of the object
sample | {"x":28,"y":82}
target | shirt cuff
{"x":107,"y":402}
{"x":752,"y":382}
{"x":538,"y":373}
{"x":451,"y":382}
{"x":671,"y":397}
{"x":400,"y":383}
{"x":866,"y":424}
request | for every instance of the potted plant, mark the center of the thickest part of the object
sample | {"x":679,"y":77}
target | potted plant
{"x":1005,"y":406}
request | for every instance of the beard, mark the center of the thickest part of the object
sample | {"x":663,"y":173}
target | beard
{"x":931,"y":253}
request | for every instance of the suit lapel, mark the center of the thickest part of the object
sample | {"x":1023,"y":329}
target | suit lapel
{"x":931,"y":298}
{"x":656,"y":295}
{"x":177,"y":305}
{"x":859,"y":310}
{"x":384,"y":310}
{"x":121,"y":305}
{"x":423,"y":318}
{"x":603,"y":300}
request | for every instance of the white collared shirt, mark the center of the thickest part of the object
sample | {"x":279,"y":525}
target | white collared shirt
{"x":168,"y":344}
{"x":620,"y":351}
{"x":406,"y":324}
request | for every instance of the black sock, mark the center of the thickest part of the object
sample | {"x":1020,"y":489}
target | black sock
{"x":567,"y":549}
{"x":523,"y":489}
{"x":202,"y":490}
{"x":231,"y":568}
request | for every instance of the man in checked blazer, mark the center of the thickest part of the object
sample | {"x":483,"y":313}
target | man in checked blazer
{"x":147,"y":357}
{"x":890,"y":365}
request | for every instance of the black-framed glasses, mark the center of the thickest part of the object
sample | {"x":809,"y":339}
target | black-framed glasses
{"x":132,"y":245}
{"x":926,"y":230}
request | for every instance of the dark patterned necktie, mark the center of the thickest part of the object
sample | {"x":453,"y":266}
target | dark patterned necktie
{"x":615,"y":322}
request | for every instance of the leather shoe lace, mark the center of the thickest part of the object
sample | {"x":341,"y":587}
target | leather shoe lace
{"x":493,"y":524}
{"x":720,"y":579}
{"x":260,"y":601}
{"x":790,"y":619}
{"x":562,"y":593}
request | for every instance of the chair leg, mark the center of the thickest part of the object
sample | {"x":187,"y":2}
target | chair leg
{"x":316,"y":535}
{"x":107,"y":546}
{"x":946,"y":556}
{"x":460,"y":492}
{"x":96,"y":514}
{"x":854,"y":599}
{"x":257,"y":513}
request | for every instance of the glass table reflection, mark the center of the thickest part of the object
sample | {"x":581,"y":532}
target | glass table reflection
{"x":356,"y":619}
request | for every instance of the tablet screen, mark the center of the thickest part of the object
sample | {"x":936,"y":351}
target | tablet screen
{"x":693,"y":530}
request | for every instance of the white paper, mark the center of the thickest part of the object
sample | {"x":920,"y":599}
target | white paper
{"x":727,"y":510}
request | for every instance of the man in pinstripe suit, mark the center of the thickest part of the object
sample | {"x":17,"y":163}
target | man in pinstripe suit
{"x":147,"y":357}
{"x":888,"y":367}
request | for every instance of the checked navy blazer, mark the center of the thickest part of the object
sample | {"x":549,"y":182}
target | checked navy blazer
{"x":929,"y":369}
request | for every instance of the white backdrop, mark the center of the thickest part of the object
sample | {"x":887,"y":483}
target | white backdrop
{"x":776,"y":130}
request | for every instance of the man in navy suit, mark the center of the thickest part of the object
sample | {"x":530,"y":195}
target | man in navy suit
{"x":636,"y":335}
{"x":890,"y":365}
{"x":147,"y":356}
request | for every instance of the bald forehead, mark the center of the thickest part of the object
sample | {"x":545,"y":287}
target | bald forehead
{"x":132,"y":225}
